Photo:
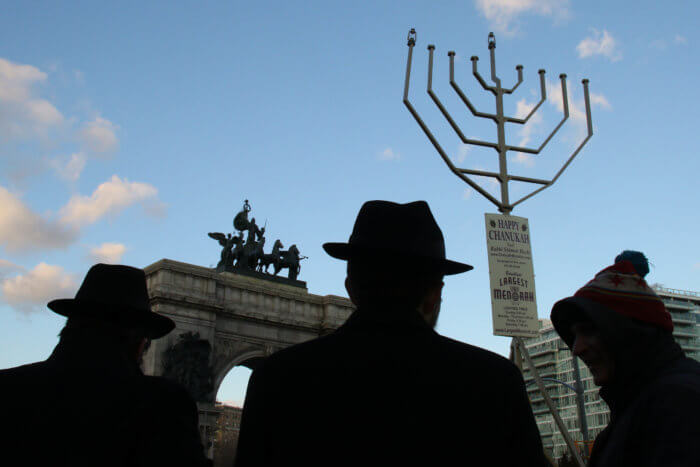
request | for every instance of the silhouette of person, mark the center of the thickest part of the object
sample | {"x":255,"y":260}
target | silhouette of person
{"x":385,"y":388}
{"x":89,"y":404}
{"x":622,"y":331}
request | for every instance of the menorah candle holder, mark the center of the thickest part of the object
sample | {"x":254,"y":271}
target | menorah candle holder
{"x":504,"y":205}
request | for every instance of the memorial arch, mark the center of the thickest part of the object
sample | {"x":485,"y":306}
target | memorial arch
{"x":231,"y":319}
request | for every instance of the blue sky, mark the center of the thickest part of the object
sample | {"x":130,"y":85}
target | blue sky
{"x":129,"y":131}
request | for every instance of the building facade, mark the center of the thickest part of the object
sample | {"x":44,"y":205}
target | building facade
{"x":555,"y":365}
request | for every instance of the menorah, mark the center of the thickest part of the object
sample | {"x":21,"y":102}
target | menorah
{"x":501,"y":146}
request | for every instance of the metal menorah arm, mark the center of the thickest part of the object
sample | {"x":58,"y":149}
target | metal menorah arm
{"x":443,"y":110}
{"x":543,"y":97}
{"x":428,"y":133}
{"x":478,"y":77}
{"x":565,"y":105}
{"x":589,"y":127}
{"x":462,"y":96}
{"x":519,"y":69}
{"x":459,"y":92}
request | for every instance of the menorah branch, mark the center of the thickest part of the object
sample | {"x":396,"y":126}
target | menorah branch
{"x":519,"y":69}
{"x":543,"y":97}
{"x":461,"y":95}
{"x":442,"y":108}
{"x":429,"y":134}
{"x":565,"y":105}
{"x":478,"y":77}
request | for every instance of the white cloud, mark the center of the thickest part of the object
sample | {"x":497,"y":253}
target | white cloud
{"x":389,"y":155}
{"x":22,"y":113}
{"x":467,"y":194}
{"x":16,"y":80}
{"x":110,"y":197}
{"x":70,"y":169}
{"x":110,"y":253}
{"x":599,"y":100}
{"x":8,"y":267}
{"x":662,"y":44}
{"x":462,"y":152}
{"x":100,"y":136}
{"x":23,"y":230}
{"x":503,"y":14}
{"x":30,"y":291}
{"x":599,"y":43}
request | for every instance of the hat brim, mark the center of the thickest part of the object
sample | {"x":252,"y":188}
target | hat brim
{"x":153,"y":324}
{"x":571,"y":310}
{"x":346,"y":251}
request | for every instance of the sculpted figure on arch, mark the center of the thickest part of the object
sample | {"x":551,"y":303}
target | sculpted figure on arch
{"x":622,"y":331}
{"x":385,"y":388}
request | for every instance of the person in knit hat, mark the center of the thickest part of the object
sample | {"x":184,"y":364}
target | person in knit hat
{"x":622,"y":331}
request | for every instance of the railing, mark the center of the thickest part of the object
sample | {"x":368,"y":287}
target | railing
{"x":684,"y":293}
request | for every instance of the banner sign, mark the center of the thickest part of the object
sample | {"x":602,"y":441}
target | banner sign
{"x":512,"y":277}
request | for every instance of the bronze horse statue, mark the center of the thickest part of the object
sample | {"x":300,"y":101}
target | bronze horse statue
{"x":289,"y":259}
{"x":272,"y":258}
{"x":252,"y":252}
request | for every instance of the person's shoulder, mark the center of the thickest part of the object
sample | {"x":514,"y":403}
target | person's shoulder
{"x":165,"y":390}
{"x":310,"y":350}
{"x":472,"y":356}
{"x":682,"y":376}
{"x":23,"y":372}
{"x":29,"y":368}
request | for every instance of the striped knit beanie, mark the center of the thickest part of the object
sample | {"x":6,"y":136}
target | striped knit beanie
{"x":619,"y":288}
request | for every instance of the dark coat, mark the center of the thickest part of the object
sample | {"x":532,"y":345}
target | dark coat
{"x":385,"y":389}
{"x":87,"y":406}
{"x":655,"y":419}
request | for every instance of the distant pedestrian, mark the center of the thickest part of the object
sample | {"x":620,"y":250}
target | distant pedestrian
{"x":89,"y":404}
{"x":622,"y":331}
{"x":385,"y":388}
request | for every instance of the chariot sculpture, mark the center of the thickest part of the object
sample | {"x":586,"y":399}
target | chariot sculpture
{"x":239,"y":255}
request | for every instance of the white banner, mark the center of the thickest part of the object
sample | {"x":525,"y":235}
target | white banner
{"x":513,"y":302}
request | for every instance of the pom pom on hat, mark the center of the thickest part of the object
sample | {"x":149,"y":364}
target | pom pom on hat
{"x":638,"y":260}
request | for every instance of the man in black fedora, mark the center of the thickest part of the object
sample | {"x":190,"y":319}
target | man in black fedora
{"x":385,"y":388}
{"x":89,"y":404}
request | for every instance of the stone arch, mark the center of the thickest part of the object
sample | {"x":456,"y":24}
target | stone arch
{"x":221,"y":373}
{"x":242,"y":318}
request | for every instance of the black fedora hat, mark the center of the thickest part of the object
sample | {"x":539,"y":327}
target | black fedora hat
{"x":118,"y":294}
{"x":408,"y":231}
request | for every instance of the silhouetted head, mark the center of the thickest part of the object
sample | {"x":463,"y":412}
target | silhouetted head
{"x":616,"y":321}
{"x":396,"y":258}
{"x":112,"y":305}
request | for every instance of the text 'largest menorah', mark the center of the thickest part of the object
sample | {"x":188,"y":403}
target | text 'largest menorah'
{"x":504,"y":205}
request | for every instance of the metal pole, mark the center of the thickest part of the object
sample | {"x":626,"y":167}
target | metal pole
{"x":505,"y":207}
{"x":580,"y":401}
{"x":552,"y":408}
